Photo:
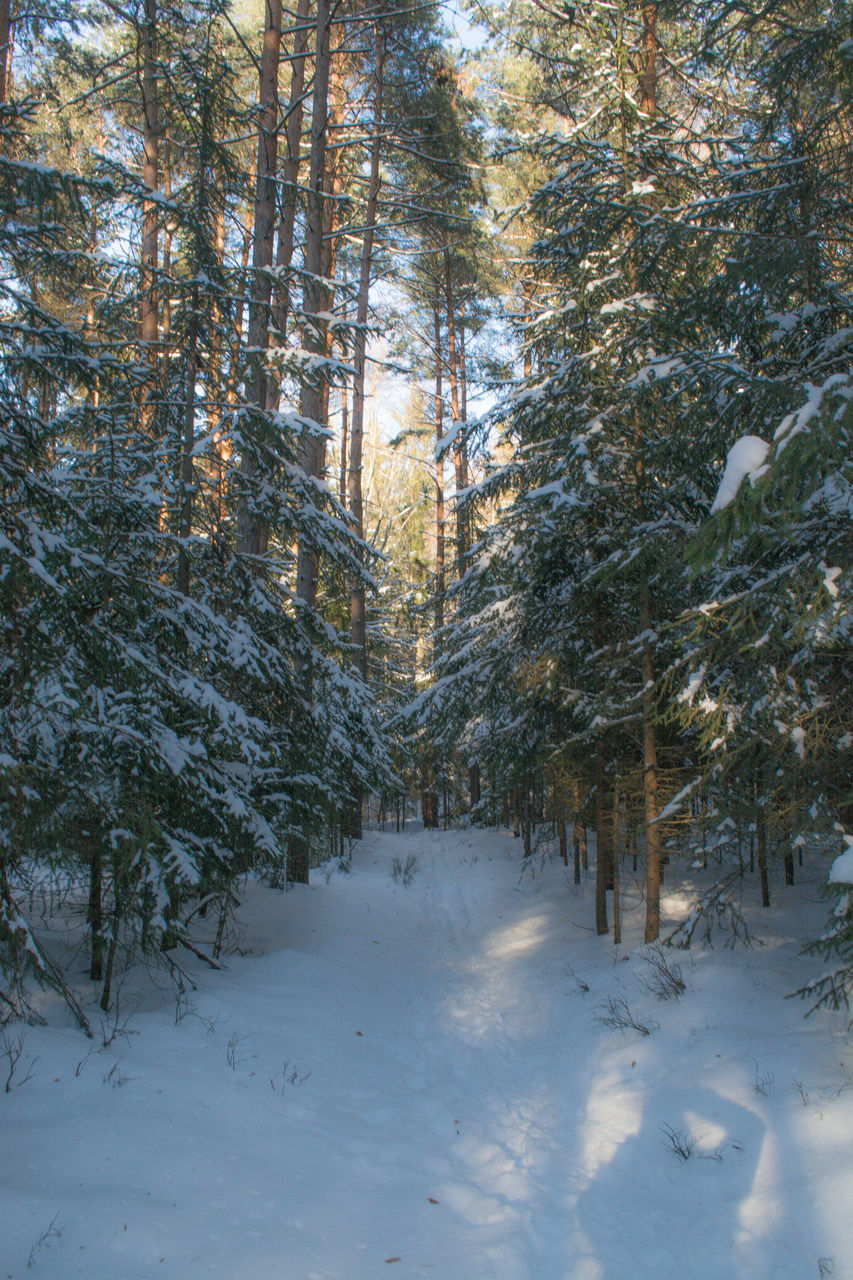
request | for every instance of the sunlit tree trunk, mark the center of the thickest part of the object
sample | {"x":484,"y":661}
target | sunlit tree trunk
{"x":313,"y":398}
{"x":356,"y":505}
{"x":148,"y":302}
{"x":289,"y":178}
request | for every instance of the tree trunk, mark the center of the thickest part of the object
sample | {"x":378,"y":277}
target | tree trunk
{"x":358,"y":635}
{"x":290,"y":167}
{"x":648,"y":72}
{"x":460,"y":456}
{"x":315,"y":294}
{"x":186,"y":478}
{"x":528,"y":315}
{"x":762,"y":859}
{"x":648,"y":105}
{"x":216,"y":384}
{"x":148,"y":317}
{"x":474,"y":784}
{"x":617,"y":913}
{"x":5,"y":47}
{"x":650,"y":783}
{"x":438,"y":614}
{"x":251,"y":531}
{"x":166,"y":304}
{"x":602,"y":853}
{"x":312,"y":399}
{"x":95,"y":913}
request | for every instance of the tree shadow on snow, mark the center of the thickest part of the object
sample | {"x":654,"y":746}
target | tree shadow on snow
{"x":675,"y":1199}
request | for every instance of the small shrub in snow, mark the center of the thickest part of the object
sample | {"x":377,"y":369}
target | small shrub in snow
{"x":289,"y":1075}
{"x":802,"y":1090}
{"x":583,"y":987}
{"x":618,"y":1014}
{"x":118,"y":1026}
{"x":232,"y":1051}
{"x":763,"y":1081}
{"x":12,"y":1049}
{"x":115,"y":1077}
{"x":51,"y":1232}
{"x":678,"y":1142}
{"x":664,"y":980}
{"x":404,"y":873}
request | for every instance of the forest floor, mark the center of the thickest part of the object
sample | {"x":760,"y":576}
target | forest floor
{"x":411,"y":1071}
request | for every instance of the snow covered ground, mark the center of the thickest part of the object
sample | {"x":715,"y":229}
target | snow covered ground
{"x":414,"y":1080}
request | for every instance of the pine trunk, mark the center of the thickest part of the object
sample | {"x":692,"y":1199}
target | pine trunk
{"x":358,"y":632}
{"x":460,"y":457}
{"x":148,"y":317}
{"x":5,"y":47}
{"x":251,"y":531}
{"x":438,"y":623}
{"x":290,"y":167}
{"x":762,"y":859}
{"x":186,"y":477}
{"x":602,"y":852}
{"x":313,"y":397}
{"x":95,"y":913}
{"x":617,"y":913}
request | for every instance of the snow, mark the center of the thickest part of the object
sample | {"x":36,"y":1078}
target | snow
{"x":415,"y":1080}
{"x":841,"y":871}
{"x":745,"y":458}
{"x":794,"y":423}
{"x":830,"y":573}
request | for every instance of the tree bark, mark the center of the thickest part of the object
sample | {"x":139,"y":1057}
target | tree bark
{"x":186,"y":478}
{"x":648,"y":104}
{"x":251,"y":530}
{"x":315,"y":292}
{"x":602,"y":852}
{"x":358,"y":603}
{"x":617,"y":912}
{"x":166,"y":304}
{"x":5,"y":47}
{"x":95,"y":913}
{"x":358,"y":633}
{"x":562,"y":836}
{"x":312,"y":399}
{"x":762,"y":858}
{"x":650,"y":780}
{"x":648,"y":73}
{"x":148,"y":309}
{"x":290,"y":167}
{"x":460,"y":455}
{"x":438,"y":608}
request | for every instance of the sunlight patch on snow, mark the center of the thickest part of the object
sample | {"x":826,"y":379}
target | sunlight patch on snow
{"x":613,"y":1115}
{"x":708,"y":1135}
{"x":525,"y":936}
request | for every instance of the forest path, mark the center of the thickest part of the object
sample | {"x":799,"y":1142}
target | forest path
{"x":472,"y":1063}
{"x":398,"y":1074}
{"x":445,"y":1129}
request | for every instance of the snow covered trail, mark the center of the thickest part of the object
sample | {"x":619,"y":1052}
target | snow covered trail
{"x":410,"y":1079}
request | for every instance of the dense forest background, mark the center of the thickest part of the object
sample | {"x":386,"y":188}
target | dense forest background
{"x":365,"y":408}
